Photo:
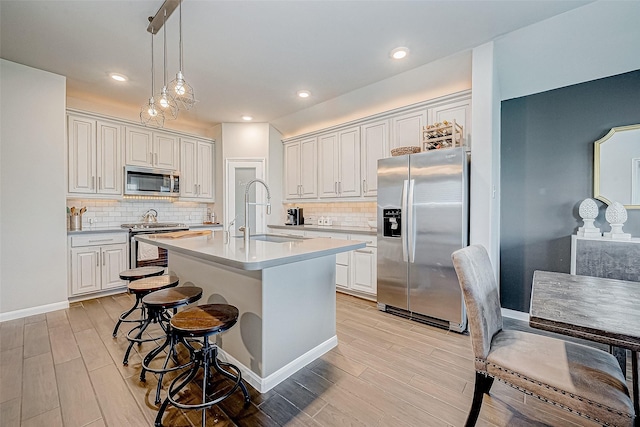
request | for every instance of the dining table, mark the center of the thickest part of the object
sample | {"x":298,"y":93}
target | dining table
{"x":598,"y":309}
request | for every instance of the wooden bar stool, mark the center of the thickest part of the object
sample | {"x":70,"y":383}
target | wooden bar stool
{"x":202,"y":322}
{"x":158,"y":304}
{"x":131,"y":275}
{"x":141,"y":288}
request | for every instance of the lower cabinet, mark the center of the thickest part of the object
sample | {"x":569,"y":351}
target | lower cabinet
{"x":356,"y":271}
{"x":95,"y":262}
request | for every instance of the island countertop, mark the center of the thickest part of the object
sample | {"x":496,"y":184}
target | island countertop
{"x":260,"y":254}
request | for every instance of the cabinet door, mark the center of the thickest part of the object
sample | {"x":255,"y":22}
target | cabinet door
{"x":328,"y":153}
{"x":309,"y":168}
{"x":292,"y":170}
{"x":114,"y":260}
{"x":166,"y":151}
{"x":82,"y":156}
{"x":349,"y":162}
{"x":85,"y":270}
{"x":188,"y":167}
{"x":460,"y":111}
{"x":375,"y":146}
{"x":406,"y":130}
{"x":138,"y":147}
{"x":109,"y":159}
{"x":205,"y":170}
{"x":364,"y":270}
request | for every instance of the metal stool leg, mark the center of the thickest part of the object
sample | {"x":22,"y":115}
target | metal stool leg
{"x":125,"y":314}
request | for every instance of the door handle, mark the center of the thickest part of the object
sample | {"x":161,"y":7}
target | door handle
{"x":411,"y":225}
{"x":403,"y":222}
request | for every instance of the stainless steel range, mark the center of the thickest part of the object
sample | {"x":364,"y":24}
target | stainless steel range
{"x":144,"y":255}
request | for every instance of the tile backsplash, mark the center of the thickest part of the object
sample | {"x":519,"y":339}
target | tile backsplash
{"x":112,"y":213}
{"x":350,"y":214}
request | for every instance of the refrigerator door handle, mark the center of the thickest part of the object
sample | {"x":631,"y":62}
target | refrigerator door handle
{"x":411,"y":226}
{"x":403,"y":220}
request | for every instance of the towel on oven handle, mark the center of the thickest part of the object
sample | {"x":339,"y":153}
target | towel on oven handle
{"x":147,"y":252}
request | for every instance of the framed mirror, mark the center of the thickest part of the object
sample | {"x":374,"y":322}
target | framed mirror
{"x":616,"y":167}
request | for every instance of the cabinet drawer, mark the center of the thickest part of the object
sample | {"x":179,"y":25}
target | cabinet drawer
{"x":371,"y":241}
{"x":98,"y":239}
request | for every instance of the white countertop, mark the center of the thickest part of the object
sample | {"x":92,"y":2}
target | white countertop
{"x":327,"y":228}
{"x":260,"y":255}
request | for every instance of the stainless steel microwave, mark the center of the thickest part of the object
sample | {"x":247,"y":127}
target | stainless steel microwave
{"x":139,"y":181}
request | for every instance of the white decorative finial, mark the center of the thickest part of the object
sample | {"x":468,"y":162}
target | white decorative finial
{"x":588,"y":212}
{"x":616,"y":215}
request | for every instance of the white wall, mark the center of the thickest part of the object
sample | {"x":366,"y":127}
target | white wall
{"x":33,"y":262}
{"x":485,"y":154}
{"x":597,"y":40}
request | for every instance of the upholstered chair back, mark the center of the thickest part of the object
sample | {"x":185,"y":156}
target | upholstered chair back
{"x":481,"y":297}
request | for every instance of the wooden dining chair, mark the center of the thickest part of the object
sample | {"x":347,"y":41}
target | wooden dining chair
{"x":575,"y":377}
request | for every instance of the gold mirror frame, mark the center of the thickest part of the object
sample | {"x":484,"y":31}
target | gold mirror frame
{"x":597,"y":166}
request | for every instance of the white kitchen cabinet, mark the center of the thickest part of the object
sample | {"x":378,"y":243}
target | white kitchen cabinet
{"x":374,"y":146}
{"x":460,"y":111}
{"x":365,"y":266}
{"x":301,"y":169}
{"x":196,"y":169}
{"x":340,"y":163}
{"x":94,"y":156}
{"x":96,"y":261}
{"x":406,"y":129}
{"x":151,"y":149}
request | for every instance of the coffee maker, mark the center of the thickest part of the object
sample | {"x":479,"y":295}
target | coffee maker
{"x":294,"y":217}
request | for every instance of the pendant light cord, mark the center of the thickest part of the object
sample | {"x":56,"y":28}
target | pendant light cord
{"x":164,"y":35}
{"x":180,"y":20}
{"x":153,"y":87}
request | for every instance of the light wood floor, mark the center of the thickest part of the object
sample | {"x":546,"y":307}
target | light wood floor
{"x":65,"y":369}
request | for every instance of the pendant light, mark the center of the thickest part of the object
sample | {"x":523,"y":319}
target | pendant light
{"x":151,"y":114}
{"x":181,"y":90}
{"x":166,"y":99}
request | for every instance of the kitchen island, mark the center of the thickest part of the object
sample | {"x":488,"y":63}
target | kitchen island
{"x":284,"y":288}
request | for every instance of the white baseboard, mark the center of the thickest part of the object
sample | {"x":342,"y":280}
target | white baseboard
{"x":513,"y":314}
{"x":31,"y":311}
{"x":263,"y":385}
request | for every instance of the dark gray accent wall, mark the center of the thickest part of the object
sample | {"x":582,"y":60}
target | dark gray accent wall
{"x":547,"y":170}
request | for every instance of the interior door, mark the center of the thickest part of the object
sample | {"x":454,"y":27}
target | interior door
{"x":239,"y":173}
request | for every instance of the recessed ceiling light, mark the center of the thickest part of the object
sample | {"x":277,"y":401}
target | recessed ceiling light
{"x":399,"y":53}
{"x":118,"y":77}
{"x":304,"y":93}
{"x":247,"y":118}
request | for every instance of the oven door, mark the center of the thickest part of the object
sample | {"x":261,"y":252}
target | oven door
{"x":142,"y":254}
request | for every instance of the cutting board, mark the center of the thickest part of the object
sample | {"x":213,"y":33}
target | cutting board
{"x":186,"y":233}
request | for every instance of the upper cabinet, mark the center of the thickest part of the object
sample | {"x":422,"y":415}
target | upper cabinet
{"x":196,"y":169}
{"x":95,"y":160}
{"x":347,"y":155}
{"x":301,"y":169}
{"x":151,"y":148}
{"x":406,"y":129}
{"x":374,"y":146}
{"x":339,"y":154}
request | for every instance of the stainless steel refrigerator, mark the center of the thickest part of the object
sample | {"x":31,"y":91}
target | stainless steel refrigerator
{"x":423,"y":216}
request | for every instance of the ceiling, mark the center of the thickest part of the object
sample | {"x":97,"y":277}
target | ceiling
{"x":250,"y":57}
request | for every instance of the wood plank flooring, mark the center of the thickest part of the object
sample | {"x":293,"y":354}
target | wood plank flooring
{"x":65,"y":369}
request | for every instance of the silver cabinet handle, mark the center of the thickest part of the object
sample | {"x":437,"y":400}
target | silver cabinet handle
{"x":103,"y":257}
{"x":335,"y":187}
{"x":363,"y":251}
{"x":93,"y":182}
{"x":151,"y":161}
{"x":195,"y":188}
{"x":339,"y":187}
{"x":364,"y":185}
{"x":99,"y":183}
{"x":100,"y":240}
{"x":97,"y":258}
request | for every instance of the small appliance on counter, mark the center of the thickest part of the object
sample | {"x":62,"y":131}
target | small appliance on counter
{"x":294,"y":217}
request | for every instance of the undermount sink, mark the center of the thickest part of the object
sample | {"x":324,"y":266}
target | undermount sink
{"x":274,"y":238}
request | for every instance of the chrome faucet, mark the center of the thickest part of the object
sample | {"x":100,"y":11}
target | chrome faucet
{"x":245,"y":229}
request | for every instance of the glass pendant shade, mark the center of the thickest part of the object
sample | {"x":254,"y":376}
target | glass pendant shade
{"x":150,"y":114}
{"x":179,"y":88}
